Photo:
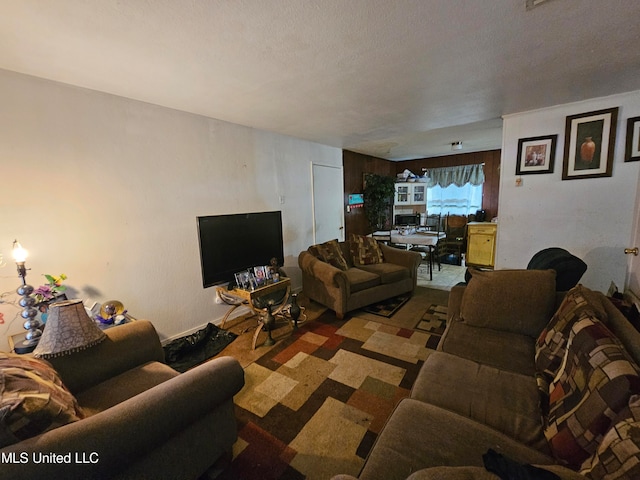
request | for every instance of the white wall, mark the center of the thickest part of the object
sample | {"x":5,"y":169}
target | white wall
{"x":592,"y":218}
{"x":107,"y":190}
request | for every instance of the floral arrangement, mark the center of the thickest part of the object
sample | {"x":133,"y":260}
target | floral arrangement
{"x":53,"y":288}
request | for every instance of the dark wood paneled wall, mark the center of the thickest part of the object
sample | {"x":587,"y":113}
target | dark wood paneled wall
{"x":355,"y":164}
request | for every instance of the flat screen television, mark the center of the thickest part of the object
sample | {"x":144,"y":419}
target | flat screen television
{"x":233,"y":243}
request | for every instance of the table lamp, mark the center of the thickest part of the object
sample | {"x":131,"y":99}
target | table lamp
{"x":27,"y":302}
{"x":69,"y":329}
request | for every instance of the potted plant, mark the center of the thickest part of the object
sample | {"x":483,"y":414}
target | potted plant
{"x":379,"y":192}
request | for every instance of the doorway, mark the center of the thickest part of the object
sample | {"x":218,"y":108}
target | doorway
{"x":328,"y":193}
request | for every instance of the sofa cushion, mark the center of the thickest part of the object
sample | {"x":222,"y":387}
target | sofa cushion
{"x":594,"y":384}
{"x":33,"y":399}
{"x":419,"y":435}
{"x":579,"y":302}
{"x":330,"y":252}
{"x":365,"y":250}
{"x":519,"y":301}
{"x":618,"y":455}
{"x":497,"y":398}
{"x":388,"y":272}
{"x":504,"y":350}
{"x":361,"y":279}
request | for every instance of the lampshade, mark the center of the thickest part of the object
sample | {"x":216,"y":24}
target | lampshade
{"x":69,"y":329}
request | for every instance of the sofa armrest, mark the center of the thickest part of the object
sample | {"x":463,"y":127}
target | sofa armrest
{"x":472,"y":473}
{"x":322,"y":271}
{"x":117,"y":437}
{"x":404,"y":258}
{"x":480,"y":473}
{"x":455,"y":301}
{"x":126,"y":346}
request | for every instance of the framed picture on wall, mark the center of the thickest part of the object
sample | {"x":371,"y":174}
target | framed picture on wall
{"x":589,"y":144}
{"x":632,"y":152}
{"x":536,"y":155}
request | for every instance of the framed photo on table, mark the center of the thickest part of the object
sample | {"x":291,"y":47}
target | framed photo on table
{"x":260,"y":274}
{"x":632,"y":152}
{"x":242,"y":279}
{"x":536,"y":155}
{"x":43,"y":307}
{"x":589,"y":144}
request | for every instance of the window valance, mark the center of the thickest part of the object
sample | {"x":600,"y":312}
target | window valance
{"x":459,"y":176}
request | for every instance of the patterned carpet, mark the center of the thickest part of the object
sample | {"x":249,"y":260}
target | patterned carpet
{"x":313,"y":405}
{"x":434,"y":320}
{"x":387,"y":308}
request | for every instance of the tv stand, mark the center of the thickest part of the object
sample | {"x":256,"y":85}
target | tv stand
{"x":253,"y":298}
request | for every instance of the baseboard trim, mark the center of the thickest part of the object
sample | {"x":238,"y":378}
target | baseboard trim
{"x":240,"y":311}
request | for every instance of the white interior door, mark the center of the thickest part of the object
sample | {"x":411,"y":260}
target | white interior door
{"x":328,"y":209}
{"x":632,"y":285}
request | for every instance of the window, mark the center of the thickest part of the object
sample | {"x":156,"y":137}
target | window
{"x":454,"y":200}
{"x":455,"y":190}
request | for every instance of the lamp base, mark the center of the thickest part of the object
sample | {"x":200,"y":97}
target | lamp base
{"x":25,"y":346}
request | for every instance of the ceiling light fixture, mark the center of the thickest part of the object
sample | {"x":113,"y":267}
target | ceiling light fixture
{"x":456,"y":145}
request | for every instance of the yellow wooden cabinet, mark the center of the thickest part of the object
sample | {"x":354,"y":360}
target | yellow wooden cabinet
{"x":481,"y":244}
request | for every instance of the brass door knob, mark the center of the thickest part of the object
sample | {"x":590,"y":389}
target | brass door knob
{"x":633,"y":251}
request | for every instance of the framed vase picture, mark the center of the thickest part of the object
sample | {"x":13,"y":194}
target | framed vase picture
{"x":632,"y":152}
{"x":589,"y":144}
{"x":536,"y":155}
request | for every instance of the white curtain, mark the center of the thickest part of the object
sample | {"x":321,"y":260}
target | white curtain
{"x":455,"y":190}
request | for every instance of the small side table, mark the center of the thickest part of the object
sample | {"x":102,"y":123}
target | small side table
{"x":14,"y":340}
{"x":253,"y":297}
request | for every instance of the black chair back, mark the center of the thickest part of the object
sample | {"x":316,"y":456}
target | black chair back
{"x":569,"y":268}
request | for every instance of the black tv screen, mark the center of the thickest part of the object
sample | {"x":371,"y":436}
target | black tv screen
{"x":232,"y":243}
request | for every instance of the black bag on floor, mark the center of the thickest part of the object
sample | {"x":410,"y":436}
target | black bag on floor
{"x":186,"y":352}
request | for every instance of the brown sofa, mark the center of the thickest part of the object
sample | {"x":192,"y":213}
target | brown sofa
{"x":355,"y":286}
{"x":482,"y":388}
{"x":142,"y":418}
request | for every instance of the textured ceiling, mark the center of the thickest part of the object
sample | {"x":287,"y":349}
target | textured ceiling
{"x":396,"y":79}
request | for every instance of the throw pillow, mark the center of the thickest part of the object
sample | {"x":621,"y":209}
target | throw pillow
{"x":33,"y":399}
{"x":518,"y":301}
{"x":594,"y":384}
{"x":618,"y":455}
{"x":365,"y":250}
{"x":578,"y":303}
{"x":331,"y":253}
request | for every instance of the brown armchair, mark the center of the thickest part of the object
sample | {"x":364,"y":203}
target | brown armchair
{"x":142,"y":418}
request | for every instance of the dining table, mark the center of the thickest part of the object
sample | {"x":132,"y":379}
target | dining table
{"x":410,"y":237}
